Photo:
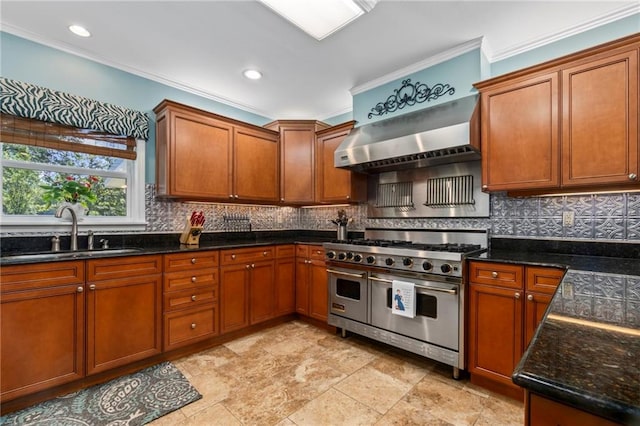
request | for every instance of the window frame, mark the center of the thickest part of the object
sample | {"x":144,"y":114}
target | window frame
{"x":134,"y":221}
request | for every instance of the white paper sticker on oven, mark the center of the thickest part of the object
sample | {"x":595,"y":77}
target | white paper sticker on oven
{"x":404,"y":297}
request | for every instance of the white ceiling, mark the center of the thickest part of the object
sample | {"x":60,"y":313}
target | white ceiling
{"x":203,"y":46}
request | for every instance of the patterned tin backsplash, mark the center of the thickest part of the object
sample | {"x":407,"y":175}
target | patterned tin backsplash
{"x":596,"y":217}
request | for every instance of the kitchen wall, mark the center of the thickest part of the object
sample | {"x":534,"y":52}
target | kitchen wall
{"x":596,"y":217}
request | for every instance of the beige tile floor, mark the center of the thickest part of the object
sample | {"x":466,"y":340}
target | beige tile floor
{"x":297,"y":374}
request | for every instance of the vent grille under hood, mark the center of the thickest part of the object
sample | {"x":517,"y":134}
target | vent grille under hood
{"x":445,"y":133}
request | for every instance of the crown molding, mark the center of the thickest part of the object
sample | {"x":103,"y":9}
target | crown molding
{"x":419,"y":66}
{"x":67,"y":48}
{"x":618,"y":14}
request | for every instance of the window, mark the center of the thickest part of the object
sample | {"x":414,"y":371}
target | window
{"x":38,"y":156}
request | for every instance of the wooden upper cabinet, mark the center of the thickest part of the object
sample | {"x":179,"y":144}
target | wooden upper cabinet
{"x":334,"y":184}
{"x":297,"y":159}
{"x":600,"y":120}
{"x":256,"y":168}
{"x":205,"y":156}
{"x":520,"y":134}
{"x":567,"y":124}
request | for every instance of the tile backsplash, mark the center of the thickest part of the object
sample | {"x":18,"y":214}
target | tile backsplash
{"x":596,"y":217}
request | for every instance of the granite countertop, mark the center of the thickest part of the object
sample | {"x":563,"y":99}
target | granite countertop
{"x":586,"y":351}
{"x":143,"y":244}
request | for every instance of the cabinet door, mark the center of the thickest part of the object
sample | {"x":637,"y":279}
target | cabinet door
{"x":334,"y":184}
{"x":318,"y":290}
{"x":200,"y":157}
{"x":234,"y":297}
{"x":520,"y":131}
{"x":541,"y":411}
{"x":297,"y":161}
{"x":535,"y":307}
{"x":42,"y":339}
{"x":124,"y":321}
{"x":256,"y":172}
{"x":600,"y":121}
{"x":495,"y":332}
{"x":262,"y":291}
{"x":285,"y":286}
{"x":302,"y":286}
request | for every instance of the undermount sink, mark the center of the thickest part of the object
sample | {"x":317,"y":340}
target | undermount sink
{"x":71,"y":254}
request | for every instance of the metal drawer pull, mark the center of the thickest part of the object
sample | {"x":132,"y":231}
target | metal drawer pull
{"x":632,"y":176}
{"x":264,"y":253}
{"x":233,"y":257}
{"x":331,"y":271}
{"x":494,"y":274}
{"x":92,"y":287}
{"x":193,"y":325}
{"x":193,"y":260}
{"x":80,"y":289}
{"x":193,"y":297}
{"x":530,"y":297}
{"x":193,"y":279}
{"x":380,"y":280}
{"x":517,"y":295}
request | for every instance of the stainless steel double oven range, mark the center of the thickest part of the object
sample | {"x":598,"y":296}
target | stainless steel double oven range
{"x":362,"y":273}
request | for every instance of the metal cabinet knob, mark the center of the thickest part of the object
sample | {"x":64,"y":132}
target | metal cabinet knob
{"x":236,"y":196}
{"x":530,"y":297}
{"x":494,"y":274}
{"x":80,"y":289}
{"x":193,"y":325}
{"x":193,"y":297}
{"x":253,"y":265}
{"x":193,"y":260}
{"x":264,"y":253}
{"x":92,"y":287}
{"x":233,"y":257}
{"x":247,"y":266}
{"x":517,"y":295}
{"x":348,"y":197}
{"x":231,"y":196}
{"x":633,"y":176}
{"x":193,"y":279}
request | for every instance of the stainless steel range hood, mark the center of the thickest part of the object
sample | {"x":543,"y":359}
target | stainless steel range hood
{"x":445,"y":133}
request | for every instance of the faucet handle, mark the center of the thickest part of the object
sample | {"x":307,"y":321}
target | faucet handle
{"x":55,"y":243}
{"x":105,"y":243}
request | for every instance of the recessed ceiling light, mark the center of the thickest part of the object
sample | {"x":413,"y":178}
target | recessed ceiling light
{"x":320,"y":18}
{"x":79,"y":31}
{"x":252,"y":74}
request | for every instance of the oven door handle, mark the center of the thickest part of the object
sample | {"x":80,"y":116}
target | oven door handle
{"x":333,"y":271}
{"x":441,"y":290}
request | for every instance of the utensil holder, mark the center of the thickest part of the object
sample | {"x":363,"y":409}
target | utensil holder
{"x":191,"y":234}
{"x":342,"y":232}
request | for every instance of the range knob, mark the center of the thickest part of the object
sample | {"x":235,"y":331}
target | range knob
{"x":407,"y":261}
{"x":357,"y":257}
{"x":349,"y":256}
{"x":426,"y":265}
{"x":342,"y":256}
{"x":445,"y":268}
{"x":389,"y":261}
{"x":331,"y":255}
{"x":371,"y":259}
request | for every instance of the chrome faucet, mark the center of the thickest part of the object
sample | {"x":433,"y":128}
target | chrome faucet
{"x":74,"y":225}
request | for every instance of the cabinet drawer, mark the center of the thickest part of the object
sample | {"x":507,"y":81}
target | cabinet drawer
{"x":543,"y":280}
{"x":123,"y":267}
{"x":190,"y":298}
{"x":302,"y":251}
{"x":185,"y":327}
{"x":39,"y":275}
{"x":285,"y":251}
{"x":316,"y":252}
{"x":187,"y":279}
{"x":240,"y":256}
{"x":189,"y":261}
{"x":498,"y":274}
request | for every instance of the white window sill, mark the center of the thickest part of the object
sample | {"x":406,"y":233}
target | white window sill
{"x":17,"y":225}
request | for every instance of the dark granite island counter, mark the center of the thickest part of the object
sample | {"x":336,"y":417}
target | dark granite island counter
{"x":586,"y":352}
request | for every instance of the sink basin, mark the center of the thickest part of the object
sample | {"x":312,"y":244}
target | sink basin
{"x":71,"y":254}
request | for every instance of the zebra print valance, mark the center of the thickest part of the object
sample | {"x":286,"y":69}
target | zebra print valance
{"x":30,"y":101}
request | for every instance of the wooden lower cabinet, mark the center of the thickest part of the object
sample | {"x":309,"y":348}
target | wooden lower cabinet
{"x":190,"y":298}
{"x":42,"y":327}
{"x":261,"y":291}
{"x":506,"y":304}
{"x":285,"y":280}
{"x":312,"y":294}
{"x":541,"y":411}
{"x":234,"y":297}
{"x":124,"y":315}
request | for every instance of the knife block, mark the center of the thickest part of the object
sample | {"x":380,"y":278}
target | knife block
{"x":191,"y":234}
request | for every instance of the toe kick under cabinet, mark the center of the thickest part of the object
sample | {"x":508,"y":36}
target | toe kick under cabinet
{"x":190,"y":299}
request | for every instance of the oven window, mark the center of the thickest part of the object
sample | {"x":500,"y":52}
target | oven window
{"x":347,"y":288}
{"x":426,"y":305}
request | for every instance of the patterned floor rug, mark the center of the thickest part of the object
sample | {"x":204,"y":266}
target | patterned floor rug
{"x":135,"y":399}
